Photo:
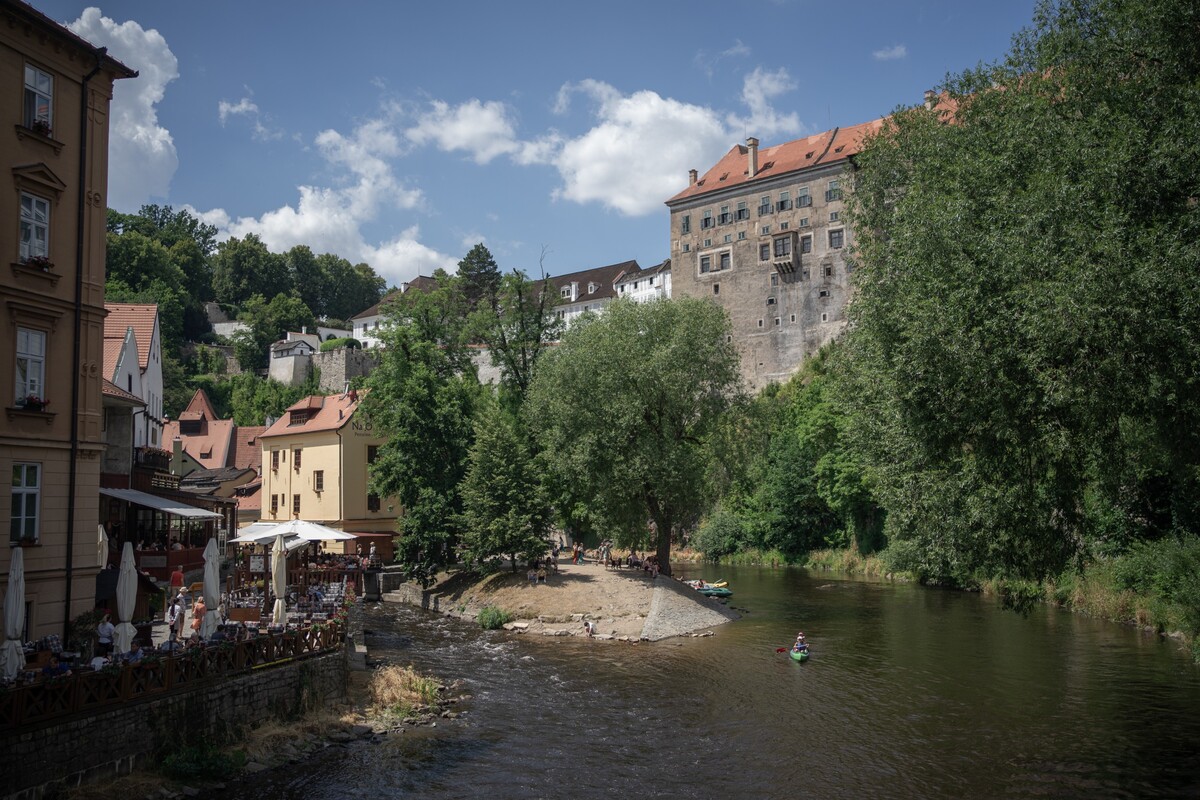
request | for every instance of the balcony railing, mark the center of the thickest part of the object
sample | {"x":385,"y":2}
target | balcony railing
{"x":46,"y":699}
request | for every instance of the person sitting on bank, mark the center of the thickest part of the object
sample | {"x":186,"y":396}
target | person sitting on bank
{"x":134,"y":656}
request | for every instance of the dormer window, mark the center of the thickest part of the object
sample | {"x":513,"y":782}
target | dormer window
{"x":592,"y":288}
{"x":565,"y":293}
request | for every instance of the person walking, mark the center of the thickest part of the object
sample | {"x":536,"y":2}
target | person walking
{"x":175,"y":616}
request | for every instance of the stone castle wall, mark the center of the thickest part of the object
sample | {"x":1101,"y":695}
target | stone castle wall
{"x":341,"y":365}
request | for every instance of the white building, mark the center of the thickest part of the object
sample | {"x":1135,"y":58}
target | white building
{"x":133,"y":362}
{"x":369,"y":323}
{"x":642,"y":286}
{"x":589,"y":290}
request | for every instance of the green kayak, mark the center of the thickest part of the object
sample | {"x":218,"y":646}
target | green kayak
{"x":799,"y":655}
{"x":715,"y":591}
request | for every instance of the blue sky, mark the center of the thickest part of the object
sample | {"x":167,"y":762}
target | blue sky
{"x":400,"y":134}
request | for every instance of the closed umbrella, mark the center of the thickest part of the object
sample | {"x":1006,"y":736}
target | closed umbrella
{"x":12,"y":655}
{"x":279,"y":580}
{"x":126,"y":598}
{"x":101,"y":547}
{"x":212,"y":589}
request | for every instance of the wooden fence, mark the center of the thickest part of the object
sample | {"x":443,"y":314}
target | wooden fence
{"x":87,"y":690}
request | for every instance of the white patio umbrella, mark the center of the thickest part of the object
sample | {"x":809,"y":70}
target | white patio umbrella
{"x":279,"y":580}
{"x":12,"y":655}
{"x":126,"y":599}
{"x":261,"y":532}
{"x":212,"y":589}
{"x":101,"y":546}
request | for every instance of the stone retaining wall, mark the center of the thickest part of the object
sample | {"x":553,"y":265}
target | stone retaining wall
{"x":81,"y":749}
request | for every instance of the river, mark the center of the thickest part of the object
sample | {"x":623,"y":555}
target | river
{"x":911,"y":692}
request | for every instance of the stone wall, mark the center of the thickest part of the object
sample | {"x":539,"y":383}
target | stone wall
{"x":113,"y":741}
{"x":340,"y":365}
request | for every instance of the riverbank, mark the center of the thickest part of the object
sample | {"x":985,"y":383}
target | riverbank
{"x":621,"y":604}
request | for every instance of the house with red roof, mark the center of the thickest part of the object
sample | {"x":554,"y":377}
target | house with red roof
{"x":216,"y":457}
{"x":763,"y":234}
{"x":316,"y":466}
{"x":133,"y":362}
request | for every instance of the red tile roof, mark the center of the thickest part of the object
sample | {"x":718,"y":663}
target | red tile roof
{"x":110,"y":389}
{"x":199,"y":406}
{"x":247,"y":452}
{"x":829,"y":147}
{"x":211,"y":448}
{"x":326,"y":414}
{"x":122,"y":316}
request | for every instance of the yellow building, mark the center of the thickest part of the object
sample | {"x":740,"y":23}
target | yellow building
{"x":314,"y":467}
{"x":55,"y":110}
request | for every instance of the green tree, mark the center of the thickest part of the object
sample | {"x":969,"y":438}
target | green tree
{"x":517,"y":330}
{"x":624,"y":407}
{"x":423,"y":397}
{"x":480,"y":277}
{"x":1022,"y":347}
{"x":506,"y":511}
{"x":243,"y":268}
{"x":269,"y":322}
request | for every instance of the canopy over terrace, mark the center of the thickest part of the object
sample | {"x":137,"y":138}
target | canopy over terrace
{"x":297,"y":534}
{"x":166,"y":532}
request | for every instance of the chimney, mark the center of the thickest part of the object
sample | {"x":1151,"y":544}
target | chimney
{"x":692,"y":177}
{"x":930,"y":95}
{"x":304,"y":329}
{"x":177,"y":456}
{"x":752,"y":156}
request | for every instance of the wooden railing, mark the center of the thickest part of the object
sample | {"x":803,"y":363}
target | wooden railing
{"x":31,"y":704}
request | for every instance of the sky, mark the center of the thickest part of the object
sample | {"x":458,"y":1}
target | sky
{"x":401,"y":134}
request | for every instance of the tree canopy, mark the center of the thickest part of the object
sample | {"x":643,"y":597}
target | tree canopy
{"x":1022,"y":352}
{"x":624,"y":407}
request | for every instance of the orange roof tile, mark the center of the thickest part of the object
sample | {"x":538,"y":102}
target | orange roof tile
{"x":122,"y":316}
{"x":211,"y":449}
{"x":112,"y":351}
{"x":199,"y":405}
{"x":110,"y":389}
{"x":324,"y":414}
{"x":829,"y":147}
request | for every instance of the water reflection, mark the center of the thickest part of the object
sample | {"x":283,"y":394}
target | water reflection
{"x":911,"y":692}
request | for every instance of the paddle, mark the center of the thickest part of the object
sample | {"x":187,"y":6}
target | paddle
{"x":781,"y":649}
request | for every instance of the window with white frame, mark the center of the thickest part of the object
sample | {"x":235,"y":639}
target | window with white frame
{"x":31,"y":367}
{"x":26,"y":497}
{"x":803,"y":198}
{"x":319,"y":480}
{"x":39,"y":94}
{"x":35,"y":227}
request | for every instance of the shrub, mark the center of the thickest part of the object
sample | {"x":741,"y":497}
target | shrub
{"x":202,"y":761}
{"x":490,"y":618}
{"x":397,"y":691}
{"x":720,"y":534}
{"x":345,"y":341}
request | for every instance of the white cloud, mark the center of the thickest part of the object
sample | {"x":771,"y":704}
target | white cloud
{"x":141,"y":154}
{"x":758,"y":90}
{"x":891,"y":53}
{"x":485,"y":130}
{"x":329,"y":219}
{"x":642,"y":145}
{"x":249,"y":109}
{"x":637,"y":154}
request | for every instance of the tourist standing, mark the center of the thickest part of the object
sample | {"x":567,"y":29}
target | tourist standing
{"x":175,"y":617}
{"x":104,"y":635}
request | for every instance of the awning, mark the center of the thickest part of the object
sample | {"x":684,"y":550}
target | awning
{"x":148,"y":500}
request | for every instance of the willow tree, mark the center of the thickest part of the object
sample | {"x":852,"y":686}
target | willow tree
{"x":1023,"y":341}
{"x":624,"y":407}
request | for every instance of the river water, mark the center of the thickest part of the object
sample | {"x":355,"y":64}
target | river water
{"x":911,"y":692}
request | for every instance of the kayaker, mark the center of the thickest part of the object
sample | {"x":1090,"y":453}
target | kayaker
{"x":801,"y":645}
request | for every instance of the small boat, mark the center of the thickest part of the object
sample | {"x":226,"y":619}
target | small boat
{"x":715,"y":591}
{"x":798,"y":655}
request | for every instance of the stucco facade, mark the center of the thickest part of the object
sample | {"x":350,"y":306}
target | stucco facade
{"x":315,"y":462}
{"x":55,"y":106}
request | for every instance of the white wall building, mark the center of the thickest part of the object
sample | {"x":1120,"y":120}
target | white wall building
{"x":133,"y":362}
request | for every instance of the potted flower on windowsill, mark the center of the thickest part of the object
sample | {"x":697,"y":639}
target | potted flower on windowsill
{"x":34,"y":403}
{"x":39,"y":262}
{"x":41,"y":127}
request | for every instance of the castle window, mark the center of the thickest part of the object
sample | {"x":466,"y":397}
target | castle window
{"x":834,"y":192}
{"x":834,"y":216}
{"x":764,"y":205}
{"x":685,"y":225}
{"x":705,"y":264}
{"x":785,"y":201}
{"x":725,"y":261}
{"x":742,"y":211}
{"x":803,"y":199}
{"x":836,"y":239}
{"x":806,"y":244}
{"x":706,"y":221}
{"x":725,"y":217}
{"x":764,"y":252}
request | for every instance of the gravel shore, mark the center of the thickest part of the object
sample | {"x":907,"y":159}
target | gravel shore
{"x":619,"y":604}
